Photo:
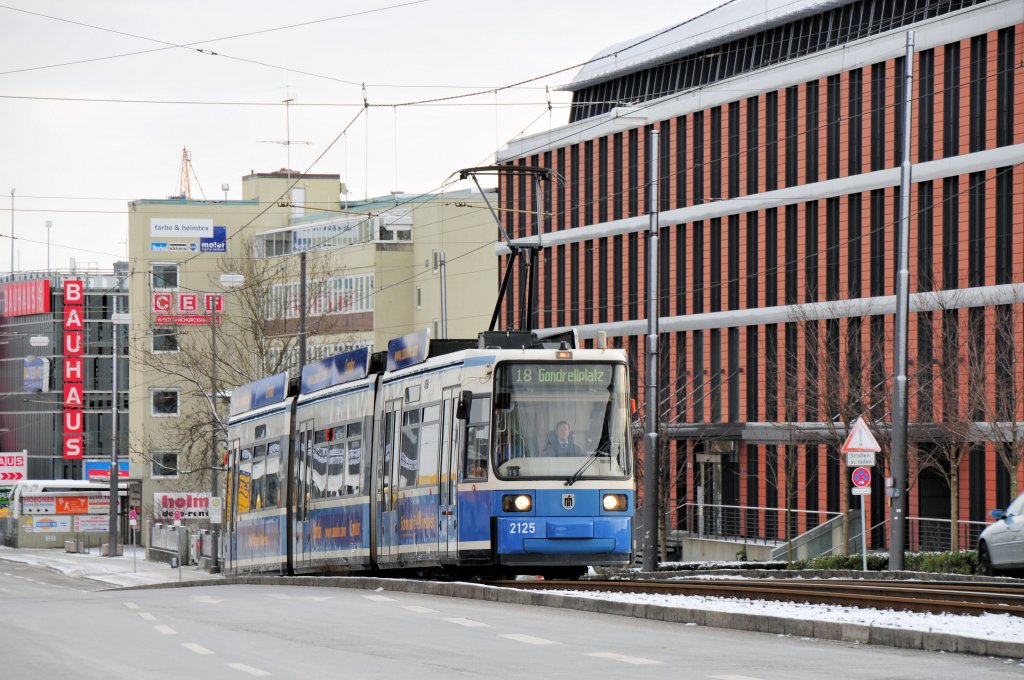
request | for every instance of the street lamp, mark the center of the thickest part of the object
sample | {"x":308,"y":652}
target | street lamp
{"x":227,"y":282}
{"x":116,"y":319}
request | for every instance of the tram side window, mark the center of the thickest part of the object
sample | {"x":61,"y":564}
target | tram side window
{"x":474,"y":464}
{"x":259,"y":471}
{"x":355,"y":455}
{"x":271,"y":480}
{"x":428,"y":453}
{"x":245,"y":481}
{"x":319,"y":464}
{"x":336,"y":462}
{"x":387,"y":442}
{"x":409,"y":453}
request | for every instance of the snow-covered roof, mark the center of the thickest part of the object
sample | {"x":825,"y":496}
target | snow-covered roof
{"x":734,"y":19}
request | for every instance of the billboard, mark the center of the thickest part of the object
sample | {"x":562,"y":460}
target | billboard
{"x":35,"y":376}
{"x":26,"y":297}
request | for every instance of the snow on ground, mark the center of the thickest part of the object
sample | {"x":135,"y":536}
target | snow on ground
{"x":987,"y":626}
{"x":130,"y":569}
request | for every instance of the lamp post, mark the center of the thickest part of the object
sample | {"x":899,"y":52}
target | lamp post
{"x":49,"y":226}
{"x":227,"y":281}
{"x":12,"y":234}
{"x":116,"y":319}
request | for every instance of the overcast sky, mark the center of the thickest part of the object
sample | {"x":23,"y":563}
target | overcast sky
{"x":77,"y":163}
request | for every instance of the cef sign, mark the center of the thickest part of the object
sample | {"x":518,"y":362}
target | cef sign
{"x":74,"y":348}
{"x":176,"y":309}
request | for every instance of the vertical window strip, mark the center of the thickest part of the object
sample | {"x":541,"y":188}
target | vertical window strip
{"x":855,"y":124}
{"x":811,"y":251}
{"x":978,"y":103}
{"x":753,"y":145}
{"x":878,"y":83}
{"x":833,"y":117}
{"x":926,"y":106}
{"x":1005,"y":86}
{"x":681,"y":162}
{"x":951,"y":101}
{"x":811,"y":92}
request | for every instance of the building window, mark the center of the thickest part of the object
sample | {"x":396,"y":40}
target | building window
{"x":165,"y":340}
{"x":165,"y":275}
{"x":165,"y":464}
{"x":165,"y":402}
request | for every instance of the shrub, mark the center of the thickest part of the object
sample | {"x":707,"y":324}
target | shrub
{"x":963,"y":562}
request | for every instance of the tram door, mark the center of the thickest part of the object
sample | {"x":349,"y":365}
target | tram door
{"x":387,"y":486}
{"x":302,"y":489}
{"x":447,"y":521}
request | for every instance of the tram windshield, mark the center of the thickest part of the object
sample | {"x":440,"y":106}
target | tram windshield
{"x":549,"y":418}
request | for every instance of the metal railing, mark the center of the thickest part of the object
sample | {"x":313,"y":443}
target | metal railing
{"x":802,"y":534}
{"x":753,"y":523}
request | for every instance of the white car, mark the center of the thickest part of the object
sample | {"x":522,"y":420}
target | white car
{"x":1001,"y":545}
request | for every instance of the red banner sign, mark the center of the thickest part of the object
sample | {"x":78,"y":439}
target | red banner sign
{"x":26,"y":297}
{"x":74,"y":348}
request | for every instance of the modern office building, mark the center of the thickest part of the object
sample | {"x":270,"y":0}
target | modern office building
{"x":779,"y":150}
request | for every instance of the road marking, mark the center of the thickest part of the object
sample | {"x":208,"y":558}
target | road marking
{"x":529,"y":639}
{"x":286,"y":596}
{"x":379,"y":598}
{"x":193,"y":647}
{"x":166,"y":630}
{"x":635,"y":660}
{"x":131,"y":605}
{"x":246,"y":669}
{"x":468,"y":623}
{"x":732,"y":677}
{"x":419,"y":610}
{"x":206,"y":599}
{"x":146,"y":616}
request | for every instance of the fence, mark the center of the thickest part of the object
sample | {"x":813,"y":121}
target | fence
{"x":752,"y":523}
{"x":168,"y":543}
{"x":801,"y":534}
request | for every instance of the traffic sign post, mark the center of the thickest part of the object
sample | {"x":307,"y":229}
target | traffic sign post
{"x":861,"y":478}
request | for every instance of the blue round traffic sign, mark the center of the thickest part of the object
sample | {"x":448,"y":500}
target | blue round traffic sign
{"x":861,"y":476}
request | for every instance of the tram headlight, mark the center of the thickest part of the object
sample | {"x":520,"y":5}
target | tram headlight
{"x":517,"y":503}
{"x":614,"y":502}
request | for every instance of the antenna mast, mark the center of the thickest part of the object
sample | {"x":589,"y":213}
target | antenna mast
{"x":184,"y":188}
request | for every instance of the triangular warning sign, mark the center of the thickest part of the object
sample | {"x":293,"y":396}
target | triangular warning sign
{"x":860,"y":439}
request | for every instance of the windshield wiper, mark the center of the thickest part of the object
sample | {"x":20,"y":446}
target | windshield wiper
{"x":583,"y":468}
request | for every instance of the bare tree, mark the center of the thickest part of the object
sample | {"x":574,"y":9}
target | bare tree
{"x":1004,"y":403}
{"x":256,"y":336}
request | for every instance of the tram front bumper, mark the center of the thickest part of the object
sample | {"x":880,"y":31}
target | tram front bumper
{"x":568,"y":536}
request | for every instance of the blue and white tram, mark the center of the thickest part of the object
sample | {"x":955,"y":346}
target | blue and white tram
{"x":488,"y":461}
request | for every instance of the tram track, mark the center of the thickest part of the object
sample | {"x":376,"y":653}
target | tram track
{"x":916,"y":596}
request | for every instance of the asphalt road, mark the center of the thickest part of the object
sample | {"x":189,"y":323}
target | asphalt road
{"x":57,"y":626}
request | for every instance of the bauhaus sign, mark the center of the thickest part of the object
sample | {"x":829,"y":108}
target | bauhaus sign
{"x":74,"y":348}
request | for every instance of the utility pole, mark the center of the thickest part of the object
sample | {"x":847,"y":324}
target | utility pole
{"x":12,"y":234}
{"x":897,"y":511}
{"x":302,"y":310}
{"x":114,"y":467}
{"x":442,"y":264}
{"x":650,"y":556}
{"x":215,"y":429}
